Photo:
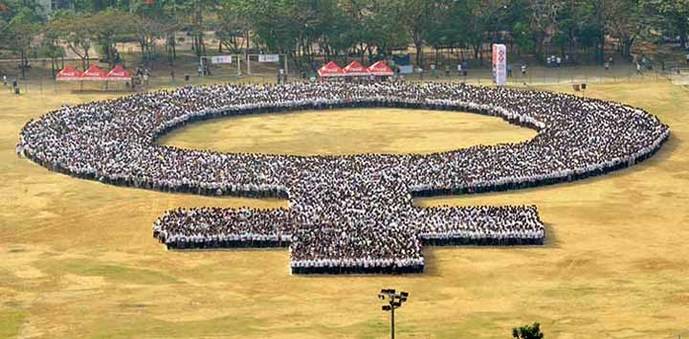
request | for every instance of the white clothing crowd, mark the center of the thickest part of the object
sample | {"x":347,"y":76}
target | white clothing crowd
{"x":346,"y":214}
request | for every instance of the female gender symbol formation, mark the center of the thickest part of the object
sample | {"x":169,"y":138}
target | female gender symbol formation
{"x":347,"y":214}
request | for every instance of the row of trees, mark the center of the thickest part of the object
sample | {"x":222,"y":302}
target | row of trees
{"x":303,"y":29}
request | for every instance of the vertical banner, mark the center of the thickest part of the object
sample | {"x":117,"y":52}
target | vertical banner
{"x":500,"y":64}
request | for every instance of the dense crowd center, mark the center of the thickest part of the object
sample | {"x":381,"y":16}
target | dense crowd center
{"x":346,"y":214}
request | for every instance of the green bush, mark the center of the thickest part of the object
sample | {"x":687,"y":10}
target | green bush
{"x":528,"y":332}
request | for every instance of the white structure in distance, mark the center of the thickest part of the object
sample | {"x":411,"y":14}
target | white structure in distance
{"x":500,"y":64}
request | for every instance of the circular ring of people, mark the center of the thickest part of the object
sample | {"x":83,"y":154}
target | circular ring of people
{"x":346,"y":214}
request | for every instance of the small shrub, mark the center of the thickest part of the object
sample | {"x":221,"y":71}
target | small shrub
{"x":528,"y":332}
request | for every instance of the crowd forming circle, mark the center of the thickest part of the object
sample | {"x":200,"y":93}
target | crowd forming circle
{"x":346,"y":214}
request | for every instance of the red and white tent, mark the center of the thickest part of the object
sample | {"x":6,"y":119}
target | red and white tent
{"x":69,"y":73}
{"x":330,"y":69}
{"x":94,"y":73}
{"x":380,"y":68}
{"x":118,"y":73}
{"x":355,"y":69}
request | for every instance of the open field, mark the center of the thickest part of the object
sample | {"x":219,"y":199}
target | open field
{"x":77,"y":258}
{"x":348,"y":131}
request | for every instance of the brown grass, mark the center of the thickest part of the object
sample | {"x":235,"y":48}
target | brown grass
{"x":348,"y":131}
{"x":77,"y":258}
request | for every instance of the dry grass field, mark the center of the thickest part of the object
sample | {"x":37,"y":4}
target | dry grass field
{"x":77,"y":258}
{"x":348,"y":131}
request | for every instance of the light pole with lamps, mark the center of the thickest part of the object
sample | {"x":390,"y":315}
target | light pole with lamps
{"x":395,"y":300}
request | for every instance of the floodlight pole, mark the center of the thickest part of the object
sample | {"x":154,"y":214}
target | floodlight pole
{"x":392,"y":323}
{"x":395,"y":300}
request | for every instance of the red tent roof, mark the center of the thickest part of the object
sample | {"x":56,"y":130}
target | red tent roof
{"x":330,"y":69}
{"x":355,"y":69}
{"x":68,"y":73}
{"x":380,"y":68}
{"x":94,"y":73}
{"x":119,"y":73}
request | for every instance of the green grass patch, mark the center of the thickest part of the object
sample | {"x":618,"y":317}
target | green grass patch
{"x":11,"y":322}
{"x":112,"y":272}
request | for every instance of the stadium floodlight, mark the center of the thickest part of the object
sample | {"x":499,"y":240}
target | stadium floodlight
{"x":395,"y":300}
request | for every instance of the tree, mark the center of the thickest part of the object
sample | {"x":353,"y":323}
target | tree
{"x":150,"y":21}
{"x":234,"y":27}
{"x":110,"y":26}
{"x":348,"y":29}
{"x":271,"y":31}
{"x":670,"y":17}
{"x":478,"y":21}
{"x":51,"y":47}
{"x":284,"y":26}
{"x":443,"y":32}
{"x":543,"y":21}
{"x":384,"y":30}
{"x":600,"y":7}
{"x":95,"y":6}
{"x":20,"y":22}
{"x":625,"y":22}
{"x":416,"y":16}
{"x":159,"y":19}
{"x":528,"y":332}
{"x":77,"y":30}
{"x":363,"y":27}
{"x":196,"y":12}
{"x":333,"y":28}
{"x":22,"y":29}
{"x":3,"y":31}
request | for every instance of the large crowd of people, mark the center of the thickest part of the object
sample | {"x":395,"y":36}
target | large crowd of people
{"x":346,"y":214}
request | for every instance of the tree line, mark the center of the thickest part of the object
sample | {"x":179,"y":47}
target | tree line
{"x":584,"y":30}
